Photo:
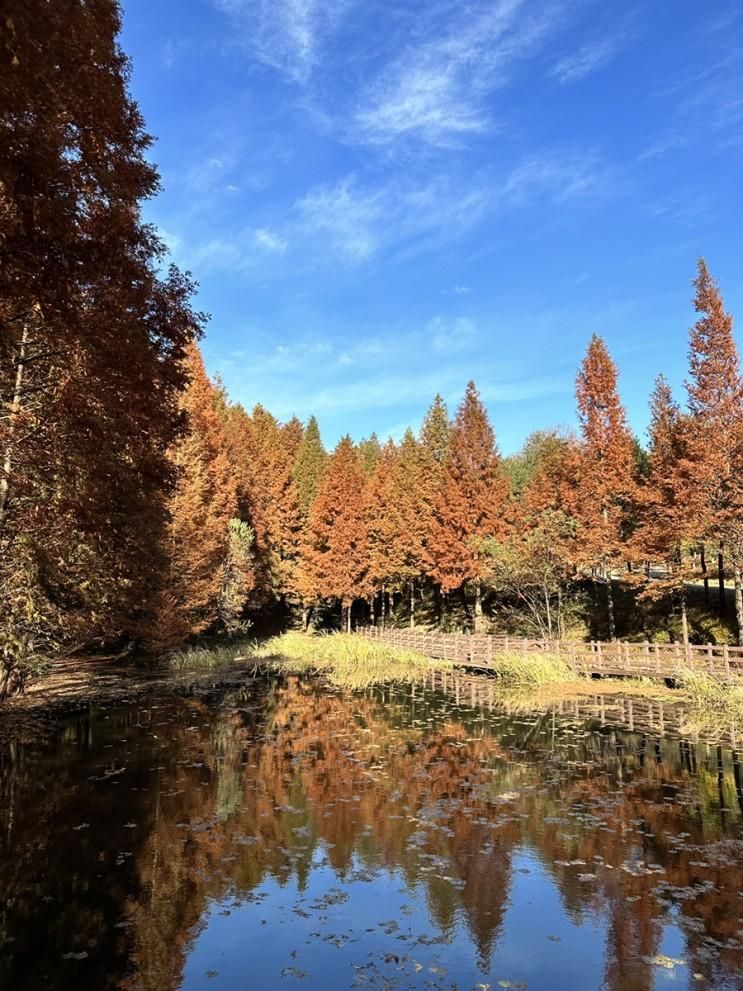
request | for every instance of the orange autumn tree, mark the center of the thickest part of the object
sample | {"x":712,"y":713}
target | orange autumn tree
{"x":715,"y":431}
{"x":336,"y":558}
{"x":201,"y":507}
{"x":472,"y":502}
{"x":665,"y":519}
{"x":607,"y":470}
{"x":383,"y":530}
{"x":263,"y":453}
{"x":409,"y":484}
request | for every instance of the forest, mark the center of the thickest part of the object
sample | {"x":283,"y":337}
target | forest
{"x":141,"y":508}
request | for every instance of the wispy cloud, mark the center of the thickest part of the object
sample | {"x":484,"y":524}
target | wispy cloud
{"x":559,"y":177}
{"x":590,"y":58}
{"x":435,"y":90}
{"x":288,"y":35}
{"x":358,"y":221}
{"x":451,"y":335}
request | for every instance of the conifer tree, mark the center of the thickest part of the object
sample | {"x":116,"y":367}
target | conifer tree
{"x":272,"y":503}
{"x":715,"y":430}
{"x":384,"y":557}
{"x":201,"y":508}
{"x":472,"y":504}
{"x":93,"y":337}
{"x":337,"y":544}
{"x":607,"y":471}
{"x":409,"y":483}
{"x":370,"y":451}
{"x":663,"y":502}
{"x":309,"y":466}
{"x":434,"y":440}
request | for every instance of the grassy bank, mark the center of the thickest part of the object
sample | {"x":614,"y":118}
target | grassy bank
{"x":208,"y":657}
{"x":710,"y":694}
{"x":345,"y":659}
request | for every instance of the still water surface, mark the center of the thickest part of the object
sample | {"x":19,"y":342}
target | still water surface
{"x":289,"y":836}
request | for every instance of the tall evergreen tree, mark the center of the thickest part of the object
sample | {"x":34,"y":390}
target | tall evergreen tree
{"x":715,"y":431}
{"x":665,"y":522}
{"x":309,"y":465}
{"x":93,"y":337}
{"x":409,"y":484}
{"x":434,"y":441}
{"x":472,"y":503}
{"x":384,"y":557}
{"x":607,"y":472}
{"x":337,"y":552}
{"x":272,"y":503}
{"x":370,"y":451}
{"x":201,"y":508}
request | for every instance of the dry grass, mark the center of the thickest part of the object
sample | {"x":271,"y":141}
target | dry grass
{"x":710,"y":694}
{"x":207,"y":657}
{"x":531,"y":670}
{"x":345,"y":659}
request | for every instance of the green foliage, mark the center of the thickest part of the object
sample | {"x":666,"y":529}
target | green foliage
{"x":309,"y":466}
{"x":520,"y":468}
{"x":237,"y":576}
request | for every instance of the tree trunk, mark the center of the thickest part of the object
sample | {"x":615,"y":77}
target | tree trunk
{"x":15,"y":409}
{"x":738,"y":603}
{"x":705,"y":576}
{"x":412,"y":603}
{"x":610,"y":607}
{"x":305,"y":618}
{"x":349,"y":609}
{"x":684,"y":621}
{"x":478,"y":607}
{"x":383,"y":608}
{"x":721,"y":582}
{"x":444,"y":609}
{"x":372,"y":612}
{"x":548,"y":611}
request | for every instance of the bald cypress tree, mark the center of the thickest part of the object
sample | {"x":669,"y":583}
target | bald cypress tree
{"x":472,"y":502}
{"x":715,"y":430}
{"x":607,"y":469}
{"x":337,"y":560}
{"x":666,"y":522}
{"x":93,"y":337}
{"x":201,"y":507}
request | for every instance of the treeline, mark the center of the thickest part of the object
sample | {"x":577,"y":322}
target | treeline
{"x":139,"y":506}
{"x":442,"y":516}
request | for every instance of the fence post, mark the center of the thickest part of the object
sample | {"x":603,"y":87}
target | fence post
{"x":726,"y":660}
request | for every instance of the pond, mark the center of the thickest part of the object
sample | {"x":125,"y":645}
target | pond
{"x":287,"y":835}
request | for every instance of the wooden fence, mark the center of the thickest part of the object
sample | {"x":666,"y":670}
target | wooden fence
{"x":650,"y":660}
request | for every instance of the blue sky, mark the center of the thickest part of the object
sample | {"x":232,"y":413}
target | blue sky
{"x":382,"y":199}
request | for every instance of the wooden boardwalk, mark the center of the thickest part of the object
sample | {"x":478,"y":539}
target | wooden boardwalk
{"x":661,"y":661}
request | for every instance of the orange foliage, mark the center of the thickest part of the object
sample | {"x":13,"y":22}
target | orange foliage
{"x":336,"y":560}
{"x":473,"y":499}
{"x":201,"y":507}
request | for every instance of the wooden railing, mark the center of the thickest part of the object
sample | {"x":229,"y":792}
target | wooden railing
{"x":645,"y":659}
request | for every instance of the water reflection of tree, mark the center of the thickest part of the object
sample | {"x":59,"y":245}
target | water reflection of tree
{"x":438,"y":792}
